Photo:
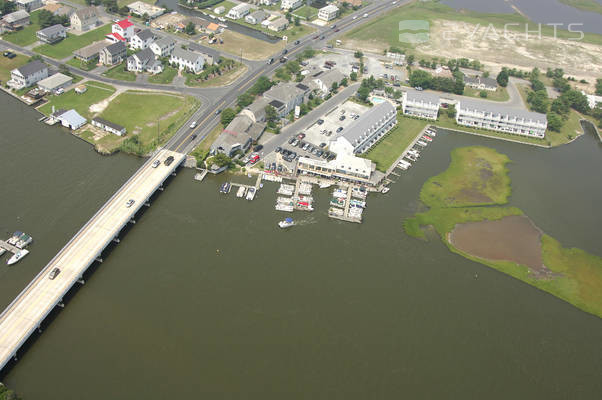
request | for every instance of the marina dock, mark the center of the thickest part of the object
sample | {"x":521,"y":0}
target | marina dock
{"x":8,"y":247}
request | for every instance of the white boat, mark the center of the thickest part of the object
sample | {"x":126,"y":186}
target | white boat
{"x":212,"y":16}
{"x":288,"y":222}
{"x":385,"y":190}
{"x":2,"y":251}
{"x":421,"y":143}
{"x":251,"y":193}
{"x":241,"y":191}
{"x":284,"y":207}
{"x":17,"y":256}
{"x":431,"y":132}
{"x":325,"y":185}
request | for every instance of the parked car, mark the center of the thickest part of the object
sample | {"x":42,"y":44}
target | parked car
{"x":156,"y":163}
{"x":130,"y":203}
{"x":341,"y":118}
{"x":59,"y":91}
{"x":334,"y":26}
{"x":320,"y":121}
{"x":271,"y":60}
{"x":319,"y":152}
{"x":259,"y":147}
{"x":340,"y":128}
{"x":322,"y":145}
{"x":54,"y":273}
{"x":295,"y":142}
{"x":296,"y":42}
{"x":168,"y":160}
{"x":301,"y":136}
{"x":322,"y":37}
{"x":254,"y":158}
{"x":278,"y":149}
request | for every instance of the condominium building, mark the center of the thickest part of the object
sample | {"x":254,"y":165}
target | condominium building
{"x":239,"y":11}
{"x":290,"y":5}
{"x":185,"y":59}
{"x":420,"y":104}
{"x":500,"y":118}
{"x":371,"y":126}
{"x":328,"y":13}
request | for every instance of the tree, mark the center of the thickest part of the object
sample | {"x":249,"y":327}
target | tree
{"x":554,"y":122}
{"x":486,"y":74}
{"x":560,"y":106}
{"x":539,"y":101}
{"x":576,"y":100}
{"x":189,"y":29}
{"x":503,"y":77}
{"x":221,"y":160}
{"x":297,"y":21}
{"x":7,"y":7}
{"x":597,"y":114}
{"x":451,"y":111}
{"x":288,"y":16}
{"x":262,"y":84}
{"x":362,"y":93}
{"x":483,"y":94}
{"x":344,"y":82}
{"x":270,"y":114}
{"x":353,"y":76}
{"x":537,"y":85}
{"x":421,"y":79}
{"x":358,"y":54}
{"x":227,"y":116}
{"x":561,"y":84}
{"x":599,"y":86}
{"x":110,"y":5}
{"x":245,"y":99}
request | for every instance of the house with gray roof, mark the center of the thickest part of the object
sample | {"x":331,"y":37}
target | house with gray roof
{"x":256,"y":110}
{"x":325,"y":80}
{"x":238,"y":135}
{"x":90,"y":52}
{"x":52,"y":34}
{"x":28,"y":74}
{"x":70,"y":119}
{"x":481,"y":83}
{"x":370,"y":127}
{"x":420,"y":104}
{"x":15,"y":20}
{"x":188,"y":60}
{"x":285,"y":96}
{"x":113,"y":53}
{"x":163,"y":47}
{"x":142,"y":39}
{"x":108,"y":126}
{"x":144,"y":60}
{"x":84,"y":19}
{"x":486,"y":115}
{"x":256,"y":17}
{"x":28,"y":5}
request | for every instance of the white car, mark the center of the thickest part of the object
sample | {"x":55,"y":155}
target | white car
{"x":366,"y":15}
{"x":193,"y":125}
{"x":59,"y":91}
{"x":354,"y":17}
{"x":130,"y":203}
{"x":156,"y":163}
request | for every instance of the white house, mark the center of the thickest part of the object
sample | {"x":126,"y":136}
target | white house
{"x":290,"y":4}
{"x":185,"y":59}
{"x":28,"y":5}
{"x":328,"y":13}
{"x":481,"y":83}
{"x":268,"y":2}
{"x":163,"y":47}
{"x":123,"y":29}
{"x":70,"y":119}
{"x":219,"y":10}
{"x":239,"y":11}
{"x":52,"y":34}
{"x":279,"y":24}
{"x":257,"y":17}
{"x":84,"y":19}
{"x":144,"y":60}
{"x":141,"y":9}
{"x":484,"y":115}
{"x":420,"y":104}
{"x":28,"y":74}
{"x":108,"y":126}
{"x":142,"y":39}
{"x":325,"y":80}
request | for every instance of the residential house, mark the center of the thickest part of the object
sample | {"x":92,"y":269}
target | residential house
{"x":142,"y":39}
{"x":420,"y":104}
{"x":239,"y":11}
{"x":328,"y":13}
{"x":325,"y":80}
{"x":142,"y":9}
{"x":211,"y":56}
{"x":144,"y":60}
{"x":28,"y":5}
{"x":285,"y":96}
{"x":69,"y":119}
{"x":268,"y":2}
{"x":290,"y":5}
{"x":592,"y":99}
{"x":90,"y":52}
{"x":485,"y":115}
{"x":237,"y":136}
{"x":55,"y":82}
{"x":370,"y":127}
{"x":52,"y":34}
{"x":123,"y":30}
{"x":84,"y":19}
{"x":279,"y":24}
{"x":28,"y":74}
{"x":113,"y":53}
{"x":163,"y":47}
{"x":185,"y":59}
{"x":108,"y":126}
{"x":256,"y":110}
{"x":256,"y":17}
{"x":481,"y":83}
{"x":15,"y":20}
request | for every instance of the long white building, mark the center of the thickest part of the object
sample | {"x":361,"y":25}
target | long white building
{"x":420,"y":104}
{"x":499,"y":118}
{"x":364,"y":132}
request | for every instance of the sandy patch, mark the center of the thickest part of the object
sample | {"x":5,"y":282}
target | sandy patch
{"x":514,"y":238}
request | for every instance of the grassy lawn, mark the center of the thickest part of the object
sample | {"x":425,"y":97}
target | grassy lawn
{"x":200,"y":152}
{"x":67,"y":46}
{"x":143,"y":133}
{"x":7,"y":65}
{"x":119,"y":72}
{"x":252,"y":49}
{"x":225,"y":79}
{"x":501,"y":94}
{"x":226,"y":4}
{"x":385,"y":152}
{"x":80,"y":102}
{"x":74,"y":62}
{"x":306,"y":12}
{"x":164,"y":77}
{"x":576,"y":275}
{"x":27,"y":35}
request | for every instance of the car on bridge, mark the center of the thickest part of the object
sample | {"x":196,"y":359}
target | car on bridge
{"x":168,"y":160}
{"x":130,"y":203}
{"x":156,"y":163}
{"x":54,"y":273}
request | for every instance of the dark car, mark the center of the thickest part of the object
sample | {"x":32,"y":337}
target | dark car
{"x":280,"y":168}
{"x":334,"y":26}
{"x":193,"y":137}
{"x":322,"y":37}
{"x":258,"y":147}
{"x":340,"y":128}
{"x":271,"y":60}
{"x":342,"y":117}
{"x":291,"y":140}
{"x":168,"y":160}
{"x":316,"y":37}
{"x":218,"y":111}
{"x":283,"y":59}
{"x":278,"y":149}
{"x":336,"y":30}
{"x":284,"y":51}
{"x":297,"y":42}
{"x":322,"y":145}
{"x":320,"y":121}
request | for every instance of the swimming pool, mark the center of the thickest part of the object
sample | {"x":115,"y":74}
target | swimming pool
{"x":376,"y":100}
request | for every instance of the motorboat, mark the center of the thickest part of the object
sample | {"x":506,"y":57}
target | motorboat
{"x":17,"y":256}
{"x":251,"y":193}
{"x":385,"y":190}
{"x":288,"y":222}
{"x":241,"y":192}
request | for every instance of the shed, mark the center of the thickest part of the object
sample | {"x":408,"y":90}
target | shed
{"x":55,"y":82}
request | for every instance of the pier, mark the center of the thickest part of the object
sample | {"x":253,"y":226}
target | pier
{"x":25,"y":314}
{"x":8,"y":247}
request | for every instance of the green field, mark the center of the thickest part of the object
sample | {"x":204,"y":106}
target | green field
{"x":385,"y":152}
{"x":7,"y":65}
{"x":386,"y":29}
{"x":146,"y":130}
{"x":306,"y":12}
{"x":27,"y":35}
{"x":164,"y":77}
{"x":67,"y":46}
{"x":576,"y":276}
{"x":82,"y":65}
{"x":585,"y":5}
{"x":80,"y":102}
{"x":501,"y":94}
{"x":121,"y":73}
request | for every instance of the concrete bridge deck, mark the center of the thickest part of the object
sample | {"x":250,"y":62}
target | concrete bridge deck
{"x":29,"y":309}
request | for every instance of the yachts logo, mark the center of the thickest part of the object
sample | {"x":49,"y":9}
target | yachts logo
{"x":418,"y":31}
{"x":515,"y":31}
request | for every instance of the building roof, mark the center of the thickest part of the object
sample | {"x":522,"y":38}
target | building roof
{"x":145,"y":34}
{"x":259,"y":14}
{"x":374,"y":116}
{"x":110,"y":124}
{"x":164,"y":41}
{"x":124,"y":23}
{"x":257,"y":108}
{"x":31,"y":68}
{"x":241,"y":7}
{"x":72,"y":117}
{"x":90,"y":50}
{"x":86,"y":13}
{"x":145,"y":56}
{"x":487,"y":107}
{"x":425,"y":97}
{"x":116,"y":48}
{"x":235,"y":133}
{"x":283,"y":92}
{"x":52,"y":30}
{"x":276,"y":104}
{"x":187,"y":55}
{"x":55,"y":80}
{"x":330,"y":77}
{"x":279,"y":22}
{"x":212,"y":26}
{"x":477,"y":80}
{"x":15,"y":16}
{"x":116,"y":35}
{"x":330,"y":8}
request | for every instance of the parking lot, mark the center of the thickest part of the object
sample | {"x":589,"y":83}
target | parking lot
{"x":343,"y":61}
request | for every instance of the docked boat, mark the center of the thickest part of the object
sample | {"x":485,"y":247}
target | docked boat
{"x":360,"y":203}
{"x":284,"y":207}
{"x":251,"y":193}
{"x":2,"y":251}
{"x":14,"y":238}
{"x":431,"y":132}
{"x":427,"y":138}
{"x":421,"y":143}
{"x":337,"y":202}
{"x":24,"y":241}
{"x":225,"y":188}
{"x":17,"y":257}
{"x":385,"y":190}
{"x":325,"y":185}
{"x":288,"y":222}
{"x":241,"y":192}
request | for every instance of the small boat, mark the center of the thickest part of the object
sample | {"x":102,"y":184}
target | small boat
{"x":225,"y":188}
{"x":427,"y":138}
{"x":15,"y":238}
{"x":325,"y":185}
{"x":241,"y":192}
{"x":288,"y":222}
{"x":17,"y":256}
{"x":385,"y":190}
{"x":431,"y":132}
{"x":251,"y":193}
{"x":421,"y":143}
